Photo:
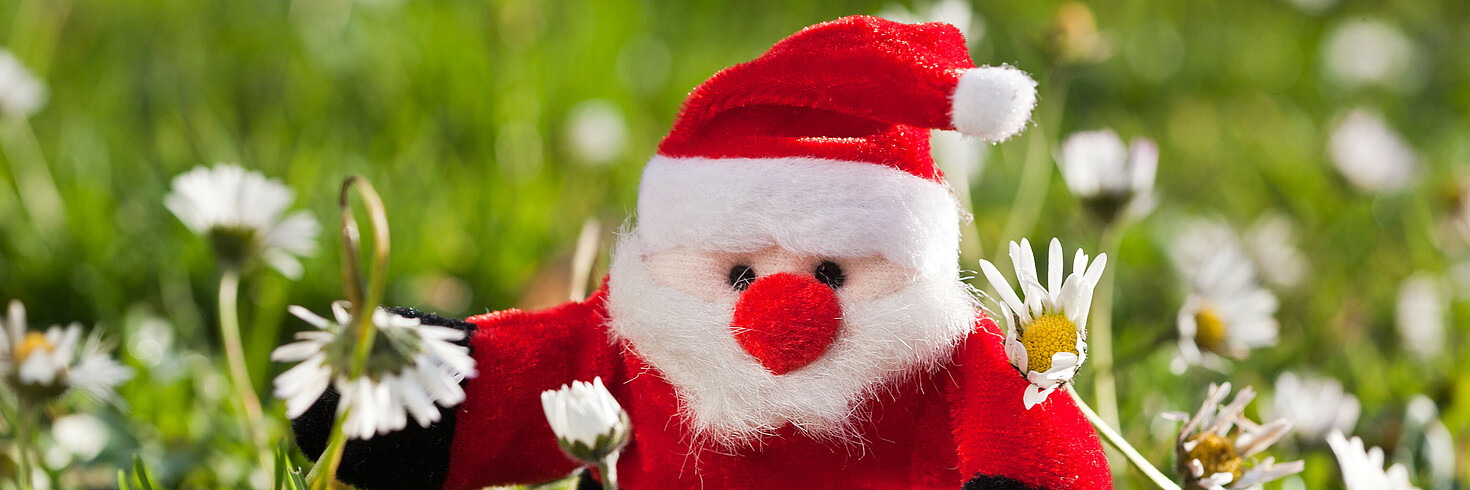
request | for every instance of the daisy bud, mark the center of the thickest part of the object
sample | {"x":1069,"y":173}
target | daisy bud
{"x":588,"y":422}
{"x":21,"y":93}
{"x":1112,"y":180}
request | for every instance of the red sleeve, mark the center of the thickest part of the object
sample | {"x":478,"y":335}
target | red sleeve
{"x":501,"y":435}
{"x":1050,"y":446}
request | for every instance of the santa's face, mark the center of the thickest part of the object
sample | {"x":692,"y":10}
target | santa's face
{"x":756,"y":340}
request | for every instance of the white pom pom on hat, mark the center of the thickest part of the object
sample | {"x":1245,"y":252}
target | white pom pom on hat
{"x":993,"y":103}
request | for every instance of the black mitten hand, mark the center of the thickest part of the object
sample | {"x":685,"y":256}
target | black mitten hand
{"x":986,"y":482}
{"x":412,"y":458}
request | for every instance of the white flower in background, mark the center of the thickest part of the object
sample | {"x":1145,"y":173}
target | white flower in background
{"x":80,"y":435}
{"x":1315,"y":406}
{"x":45,"y":365}
{"x":1313,"y":7}
{"x":953,"y":12}
{"x":411,"y":368}
{"x":1227,"y":312}
{"x":1364,"y":52}
{"x":1363,"y":470}
{"x":241,"y":213}
{"x":1437,"y":447}
{"x":1272,"y":245}
{"x":1046,"y":333}
{"x":21,"y":93}
{"x":588,"y":422}
{"x":596,"y":131}
{"x":1420,"y":315}
{"x":962,"y":158}
{"x":1370,"y":154}
{"x":1216,"y":447}
{"x":1112,"y":179}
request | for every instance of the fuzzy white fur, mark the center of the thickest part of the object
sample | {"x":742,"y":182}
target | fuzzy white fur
{"x":814,"y":206}
{"x":993,"y":103}
{"x":732,"y":400}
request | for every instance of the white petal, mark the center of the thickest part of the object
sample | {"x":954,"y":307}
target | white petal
{"x":1002,"y":287}
{"x":1035,"y":395}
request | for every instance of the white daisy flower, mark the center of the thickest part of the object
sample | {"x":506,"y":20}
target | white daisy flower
{"x":1216,"y":447}
{"x":1420,"y":315}
{"x":241,"y":213}
{"x":1365,"y":52}
{"x":596,"y":131}
{"x":80,"y":436}
{"x":588,"y":422}
{"x":1272,"y":245}
{"x":21,"y":93}
{"x":1046,"y":333}
{"x":1315,"y":406}
{"x":1363,"y":469}
{"x":43,"y":365}
{"x":1370,"y":154}
{"x":1227,"y":312}
{"x":1313,"y":7}
{"x":411,"y":368}
{"x":1436,"y":446}
{"x":1112,"y":179}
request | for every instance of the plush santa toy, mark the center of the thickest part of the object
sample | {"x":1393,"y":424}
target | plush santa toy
{"x":788,"y":311}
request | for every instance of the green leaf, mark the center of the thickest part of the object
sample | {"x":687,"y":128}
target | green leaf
{"x":288,"y":477}
{"x":141,"y":473}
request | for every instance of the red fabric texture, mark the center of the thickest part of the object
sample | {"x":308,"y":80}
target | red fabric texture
{"x":501,"y":433}
{"x":857,"y":88}
{"x":930,"y":430}
{"x":1049,"y":446}
{"x":786,"y":320}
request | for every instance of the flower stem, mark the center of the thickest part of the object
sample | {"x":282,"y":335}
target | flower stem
{"x":364,"y":299}
{"x":603,"y":470}
{"x":1117,"y":441}
{"x":25,"y":441}
{"x":583,"y":259}
{"x":229,"y":324}
{"x":322,"y":475}
{"x":1101,"y":331}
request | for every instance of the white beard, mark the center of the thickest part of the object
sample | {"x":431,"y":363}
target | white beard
{"x":731,"y":400}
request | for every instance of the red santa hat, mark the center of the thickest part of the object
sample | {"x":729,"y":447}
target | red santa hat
{"x":821,"y":145}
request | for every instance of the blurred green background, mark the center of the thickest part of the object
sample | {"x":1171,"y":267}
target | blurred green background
{"x":493,"y":130}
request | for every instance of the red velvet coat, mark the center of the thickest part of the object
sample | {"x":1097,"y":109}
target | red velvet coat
{"x":936,"y":431}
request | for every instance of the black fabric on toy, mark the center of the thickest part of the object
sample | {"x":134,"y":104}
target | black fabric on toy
{"x":986,"y":482}
{"x":415,"y":457}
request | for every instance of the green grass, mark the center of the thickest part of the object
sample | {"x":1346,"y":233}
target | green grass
{"x":457,"y":111}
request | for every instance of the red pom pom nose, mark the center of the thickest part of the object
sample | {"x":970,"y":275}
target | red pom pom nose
{"x":786,"y":320}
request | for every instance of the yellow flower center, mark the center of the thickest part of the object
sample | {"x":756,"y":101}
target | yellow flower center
{"x":1209,"y":330}
{"x":1046,"y":336}
{"x":1216,"y":454}
{"x":32,"y":341}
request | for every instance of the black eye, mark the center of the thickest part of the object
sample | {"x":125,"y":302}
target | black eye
{"x":830,"y":274}
{"x":741,"y":276}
